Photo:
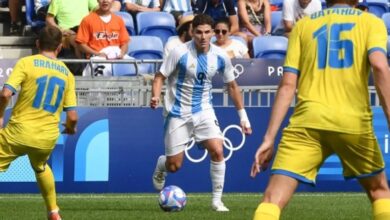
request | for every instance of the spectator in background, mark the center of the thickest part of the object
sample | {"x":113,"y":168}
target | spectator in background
{"x":117,"y":5}
{"x":15,"y":7}
{"x":103,"y":35}
{"x":135,"y":6}
{"x":184,"y":31}
{"x":234,"y":48}
{"x":41,"y":7}
{"x":293,"y":10}
{"x":67,"y":15}
{"x":176,"y":7}
{"x":255,"y":18}
{"x":218,"y":9}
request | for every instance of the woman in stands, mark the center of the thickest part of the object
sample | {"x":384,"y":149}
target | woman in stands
{"x":255,"y":18}
{"x":234,"y":48}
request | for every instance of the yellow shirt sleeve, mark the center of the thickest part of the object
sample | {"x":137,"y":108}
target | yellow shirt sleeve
{"x":292,"y":61}
{"x":70,"y":94}
{"x":17,"y":76}
{"x":377,"y":36}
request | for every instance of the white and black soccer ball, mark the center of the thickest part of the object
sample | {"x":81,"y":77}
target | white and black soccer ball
{"x":172,"y":199}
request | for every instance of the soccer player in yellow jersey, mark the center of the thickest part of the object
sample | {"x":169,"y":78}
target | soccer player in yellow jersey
{"x":328,"y":62}
{"x":47,"y":88}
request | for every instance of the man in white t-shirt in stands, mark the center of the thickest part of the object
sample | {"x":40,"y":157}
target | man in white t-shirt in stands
{"x":184,"y":30}
{"x":293,"y":10}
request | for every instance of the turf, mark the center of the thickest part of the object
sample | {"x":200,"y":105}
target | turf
{"x":318,"y":206}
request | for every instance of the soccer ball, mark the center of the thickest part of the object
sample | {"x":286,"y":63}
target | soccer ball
{"x":172,"y":199}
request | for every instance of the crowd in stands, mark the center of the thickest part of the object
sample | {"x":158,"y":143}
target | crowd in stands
{"x":90,"y":31}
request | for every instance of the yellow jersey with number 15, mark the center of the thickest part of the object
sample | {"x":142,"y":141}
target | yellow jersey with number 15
{"x":47,"y":88}
{"x":329,"y":52}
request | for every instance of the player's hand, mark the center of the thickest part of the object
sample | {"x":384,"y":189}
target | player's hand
{"x":154,"y":102}
{"x":262,"y":157}
{"x":68,"y":130}
{"x":246,"y":128}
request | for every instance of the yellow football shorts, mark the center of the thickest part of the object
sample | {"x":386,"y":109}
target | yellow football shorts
{"x":302,"y":151}
{"x":9,"y":151}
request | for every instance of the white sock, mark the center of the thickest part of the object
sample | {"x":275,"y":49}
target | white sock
{"x":161,"y":163}
{"x":217,"y":173}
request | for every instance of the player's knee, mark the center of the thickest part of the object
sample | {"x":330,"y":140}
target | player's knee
{"x":216,"y":154}
{"x":271,"y":196}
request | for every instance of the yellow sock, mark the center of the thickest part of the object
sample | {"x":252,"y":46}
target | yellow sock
{"x":381,"y":209}
{"x":46,"y":184}
{"x":267,"y":211}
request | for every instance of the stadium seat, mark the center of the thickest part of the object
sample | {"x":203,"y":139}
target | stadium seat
{"x":123,"y":69}
{"x":323,"y":4}
{"x":378,"y":7}
{"x":129,"y":23}
{"x":386,"y":20}
{"x":159,"y":24}
{"x":276,"y":20}
{"x":271,"y":47}
{"x":31,"y":19}
{"x":277,"y":3}
{"x":146,"y":47}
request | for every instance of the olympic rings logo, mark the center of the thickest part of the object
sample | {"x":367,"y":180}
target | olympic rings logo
{"x":227,"y":143}
{"x":238,"y":70}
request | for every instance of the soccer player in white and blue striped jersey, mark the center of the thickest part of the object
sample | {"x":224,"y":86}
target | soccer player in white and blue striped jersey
{"x":188,"y":109}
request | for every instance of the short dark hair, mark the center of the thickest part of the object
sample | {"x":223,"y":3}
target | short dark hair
{"x":202,"y":19}
{"x":223,"y":21}
{"x":49,"y":38}
{"x":184,"y":28}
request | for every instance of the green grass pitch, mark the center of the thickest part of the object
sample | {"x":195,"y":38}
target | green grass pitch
{"x":310,"y":206}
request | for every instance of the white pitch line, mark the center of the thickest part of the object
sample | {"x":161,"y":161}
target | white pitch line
{"x":153,"y":196}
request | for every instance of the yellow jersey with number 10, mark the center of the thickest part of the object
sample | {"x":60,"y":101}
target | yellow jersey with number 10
{"x":47,"y":88}
{"x":329,"y":52}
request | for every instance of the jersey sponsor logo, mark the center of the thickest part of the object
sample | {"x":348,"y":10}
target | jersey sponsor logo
{"x":103,"y":35}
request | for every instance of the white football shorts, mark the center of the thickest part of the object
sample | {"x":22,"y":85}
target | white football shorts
{"x":178,"y":131}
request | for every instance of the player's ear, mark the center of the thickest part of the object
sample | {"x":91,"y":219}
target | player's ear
{"x":59,"y":48}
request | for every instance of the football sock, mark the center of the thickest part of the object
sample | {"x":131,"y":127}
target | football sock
{"x":381,"y":209}
{"x":161,"y":163}
{"x":46,"y":184}
{"x":217,"y":173}
{"x":267,"y":211}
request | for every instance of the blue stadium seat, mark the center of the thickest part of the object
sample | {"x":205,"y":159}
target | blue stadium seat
{"x":123,"y":69}
{"x":378,"y":7}
{"x":386,"y":20}
{"x":271,"y":47}
{"x":146,"y":47}
{"x":129,"y":23}
{"x":323,"y":4}
{"x":278,"y":3}
{"x":276,"y":19}
{"x":159,"y":24}
{"x":31,"y":19}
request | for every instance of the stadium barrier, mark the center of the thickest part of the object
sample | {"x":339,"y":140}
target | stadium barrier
{"x":119,"y":139}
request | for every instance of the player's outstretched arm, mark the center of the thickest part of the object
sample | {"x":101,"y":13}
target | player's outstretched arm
{"x":71,"y":122}
{"x":381,"y":72}
{"x":156,"y":89}
{"x":284,"y":96}
{"x":235,"y":93}
{"x":5,"y":96}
